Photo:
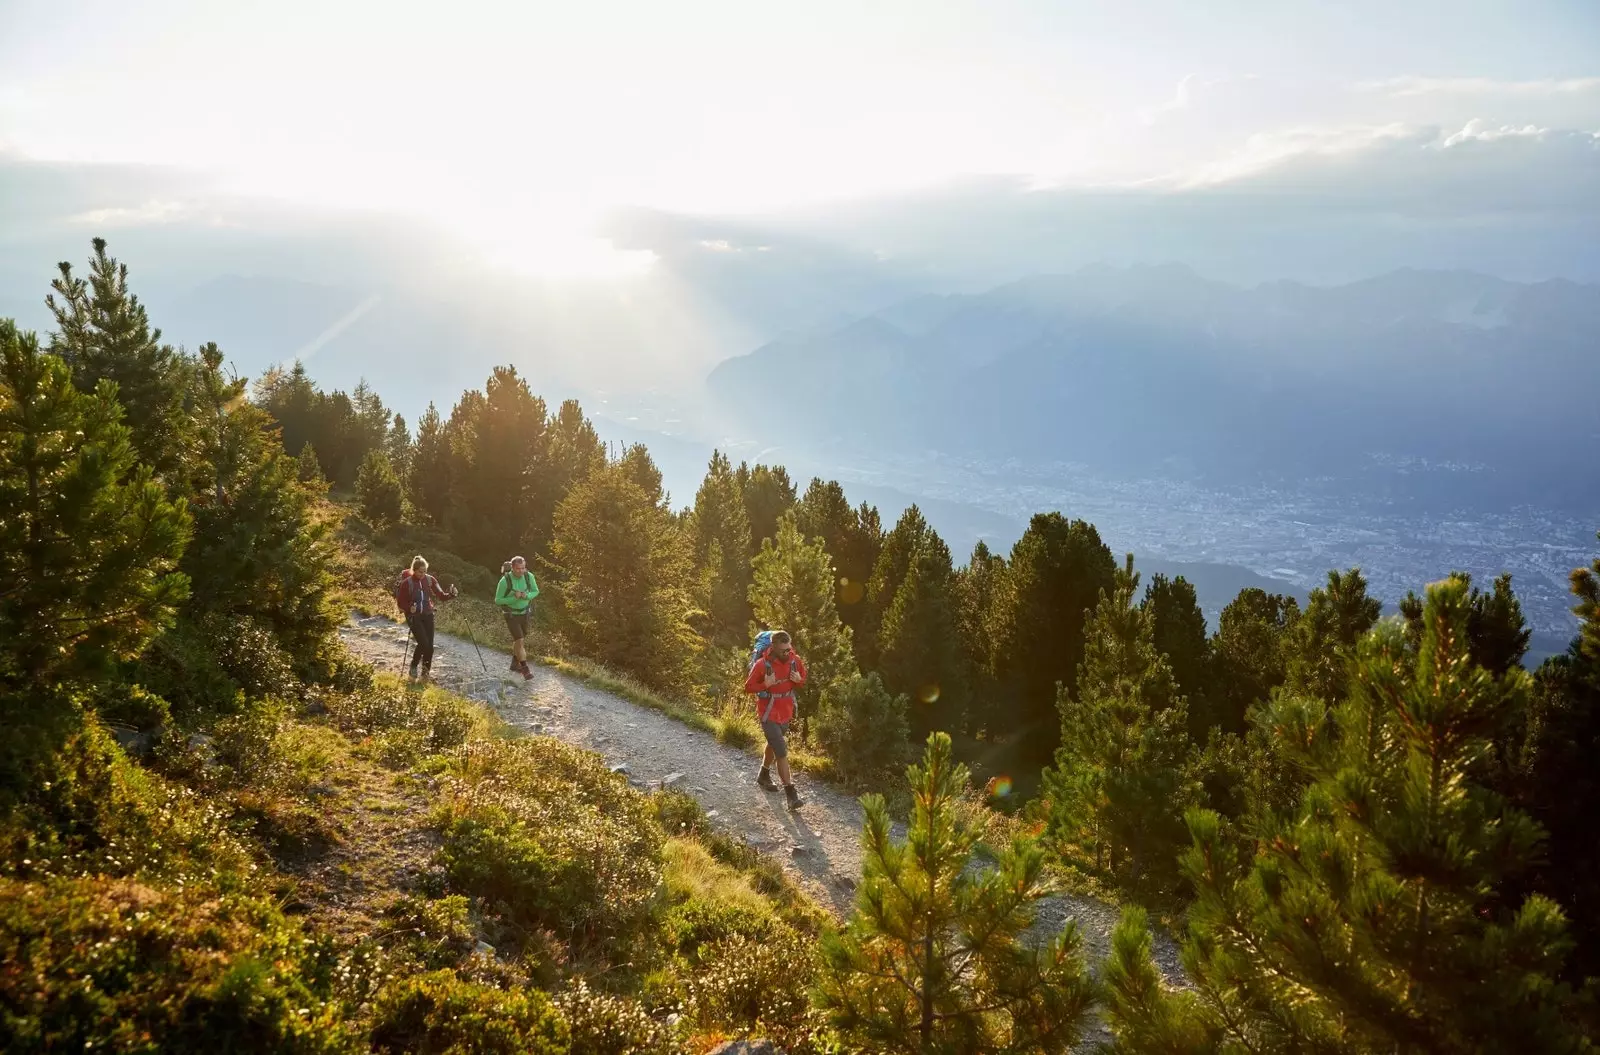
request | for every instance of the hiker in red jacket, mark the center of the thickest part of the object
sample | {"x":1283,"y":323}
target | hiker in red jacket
{"x":773,"y":677}
{"x":416,"y":593}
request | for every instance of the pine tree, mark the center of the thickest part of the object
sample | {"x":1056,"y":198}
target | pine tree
{"x":722,"y":552}
{"x":89,"y":543}
{"x":1374,"y":919}
{"x":1178,"y":629}
{"x":398,"y":447}
{"x":429,"y":483}
{"x":934,"y":959}
{"x":768,"y":494}
{"x":792,"y":589}
{"x":308,"y":470}
{"x":979,"y":589}
{"x":1560,"y":786}
{"x":1121,"y":779}
{"x":259,"y":551}
{"x":1323,"y":640}
{"x":625,"y":578}
{"x":499,"y":443}
{"x":864,"y":728}
{"x":104,"y":334}
{"x":572,"y":453}
{"x":1496,"y":630}
{"x":852,"y":537}
{"x":1058,"y":570}
{"x":921,"y":652}
{"x":638,"y":466}
{"x":894,"y":560}
{"x":1251,"y":652}
{"x":382,"y":499}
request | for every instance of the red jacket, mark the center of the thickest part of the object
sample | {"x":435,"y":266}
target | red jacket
{"x":782,"y":690}
{"x":418,"y":596}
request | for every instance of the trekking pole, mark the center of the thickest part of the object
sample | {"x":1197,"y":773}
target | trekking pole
{"x":476,"y":649}
{"x":406,"y":654}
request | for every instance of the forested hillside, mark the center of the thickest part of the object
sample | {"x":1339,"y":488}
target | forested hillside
{"x":1379,"y":835}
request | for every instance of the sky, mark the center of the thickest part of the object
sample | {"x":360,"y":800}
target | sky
{"x":520,"y":126}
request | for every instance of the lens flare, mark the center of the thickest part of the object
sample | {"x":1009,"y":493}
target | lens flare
{"x":850,"y":592}
{"x":998,"y":787}
{"x":928,"y":693}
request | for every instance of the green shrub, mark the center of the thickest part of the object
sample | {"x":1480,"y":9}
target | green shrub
{"x":87,"y":810}
{"x":203,"y":666}
{"x":439,"y":1014}
{"x":434,"y":720}
{"x":604,"y":1024}
{"x":759,"y":984}
{"x":548,"y":837}
{"x":120,"y":965}
{"x":437,"y":933}
{"x":863,"y":728}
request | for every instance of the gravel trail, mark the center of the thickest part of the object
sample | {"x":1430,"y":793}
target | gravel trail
{"x":819,"y":845}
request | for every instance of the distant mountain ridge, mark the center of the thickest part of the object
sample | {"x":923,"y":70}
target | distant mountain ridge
{"x":1157,"y":368}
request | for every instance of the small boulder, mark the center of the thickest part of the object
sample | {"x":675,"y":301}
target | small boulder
{"x":746,"y":1047}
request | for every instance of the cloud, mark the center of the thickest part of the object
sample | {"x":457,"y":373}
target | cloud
{"x":1402,"y":87}
{"x":1471,"y":170}
{"x":150,"y":213}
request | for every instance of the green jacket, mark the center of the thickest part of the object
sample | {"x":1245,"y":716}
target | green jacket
{"x":504,"y":593}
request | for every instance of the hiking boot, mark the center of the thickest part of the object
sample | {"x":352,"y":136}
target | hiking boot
{"x":793,"y":797}
{"x":765,"y":781}
{"x":516,"y":666}
{"x":527,"y":672}
{"x":412,"y":675}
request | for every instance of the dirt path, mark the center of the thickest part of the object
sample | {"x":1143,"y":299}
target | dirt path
{"x":819,"y":845}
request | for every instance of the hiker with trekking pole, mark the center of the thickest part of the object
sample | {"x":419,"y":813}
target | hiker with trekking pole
{"x":776,"y":669}
{"x":514,"y":597}
{"x":415,"y":595}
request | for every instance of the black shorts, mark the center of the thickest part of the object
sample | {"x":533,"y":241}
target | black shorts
{"x":517,"y":623}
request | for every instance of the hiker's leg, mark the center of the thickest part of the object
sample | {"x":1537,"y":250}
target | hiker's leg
{"x":783,"y":771}
{"x":777,"y":748}
{"x":425,"y":639}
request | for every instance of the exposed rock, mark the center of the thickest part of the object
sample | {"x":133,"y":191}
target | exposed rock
{"x":670,"y":779}
{"x":620,"y":767}
{"x":746,"y":1047}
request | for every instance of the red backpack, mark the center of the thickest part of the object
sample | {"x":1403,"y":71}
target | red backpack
{"x":403,"y":591}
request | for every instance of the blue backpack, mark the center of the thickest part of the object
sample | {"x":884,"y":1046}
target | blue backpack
{"x":763,"y":642}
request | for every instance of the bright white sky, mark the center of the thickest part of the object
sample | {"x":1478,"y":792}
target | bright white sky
{"x":517,"y":123}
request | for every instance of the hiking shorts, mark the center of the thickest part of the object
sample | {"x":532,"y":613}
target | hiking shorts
{"x":776,"y":733}
{"x":517,"y":623}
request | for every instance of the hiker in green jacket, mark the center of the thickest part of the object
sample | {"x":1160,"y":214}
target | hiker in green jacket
{"x":515,"y":596}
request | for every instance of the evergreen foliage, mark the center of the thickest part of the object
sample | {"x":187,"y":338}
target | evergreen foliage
{"x":852,"y":537}
{"x":1178,"y":632}
{"x":378,"y":489}
{"x":1322,"y":641}
{"x":979,"y":589}
{"x":1374,"y":918}
{"x":921,"y":653}
{"x":722,"y":552}
{"x":768,"y":494}
{"x":935,"y":959}
{"x":104,"y":334}
{"x":792,"y":589}
{"x":1121,"y":778}
{"x":864,"y":728}
{"x":431,"y":470}
{"x":1250,"y":650}
{"x":625,"y":574}
{"x":89,"y":542}
{"x":1057,"y":571}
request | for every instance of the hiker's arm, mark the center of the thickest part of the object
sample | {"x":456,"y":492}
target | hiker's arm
{"x":533,"y":585}
{"x":799,"y":665}
{"x":437,"y":590}
{"x":755,"y":682}
{"x":502,"y":592}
